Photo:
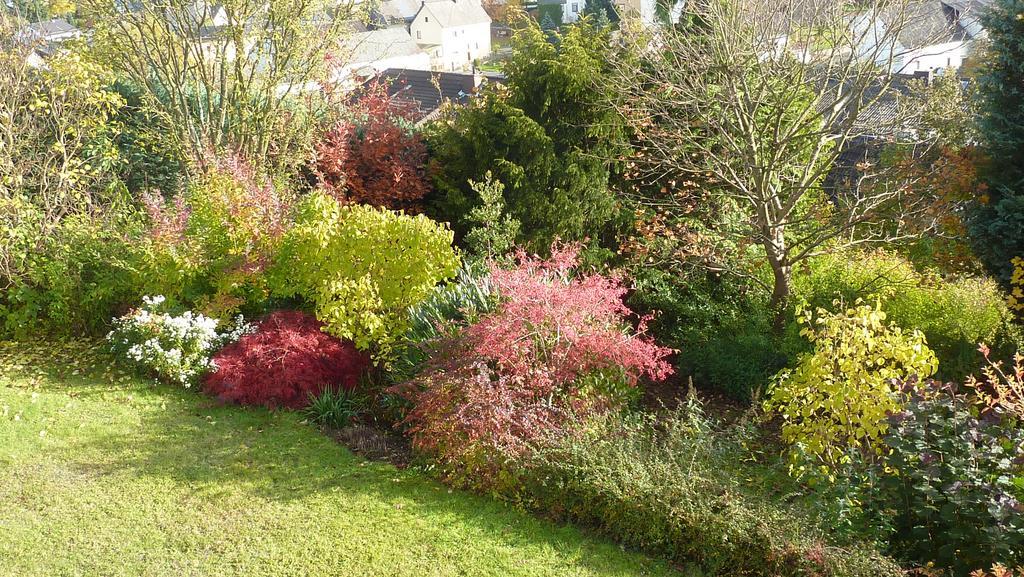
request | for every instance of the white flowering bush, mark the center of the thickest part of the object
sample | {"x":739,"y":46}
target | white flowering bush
{"x":177,"y":348}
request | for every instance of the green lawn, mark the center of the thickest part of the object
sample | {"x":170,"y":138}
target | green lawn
{"x":104,"y":474}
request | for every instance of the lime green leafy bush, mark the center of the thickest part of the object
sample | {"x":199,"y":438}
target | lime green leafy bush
{"x":839,"y":396}
{"x":955,"y":314}
{"x":362,"y":268}
{"x":675,"y":485}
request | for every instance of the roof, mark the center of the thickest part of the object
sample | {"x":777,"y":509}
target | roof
{"x":454,"y":13}
{"x":925,"y":23}
{"x":375,"y":45}
{"x":50,"y":28}
{"x":969,"y":6}
{"x":399,"y":9}
{"x":426,"y":90}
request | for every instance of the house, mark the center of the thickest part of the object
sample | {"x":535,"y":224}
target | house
{"x":552,"y":13}
{"x":49,"y":32}
{"x":934,"y":35}
{"x":43,"y":39}
{"x":453,"y":33}
{"x":427,"y":91}
{"x":372,"y":51}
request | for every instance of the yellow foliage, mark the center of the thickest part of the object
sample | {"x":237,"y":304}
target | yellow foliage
{"x":839,"y":396}
{"x":1016,"y":298}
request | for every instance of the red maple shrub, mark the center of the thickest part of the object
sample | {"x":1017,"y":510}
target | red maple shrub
{"x":556,"y":350}
{"x":285,"y":361}
{"x":372,"y":155}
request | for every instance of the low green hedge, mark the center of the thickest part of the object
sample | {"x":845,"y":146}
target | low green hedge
{"x":679,"y":487}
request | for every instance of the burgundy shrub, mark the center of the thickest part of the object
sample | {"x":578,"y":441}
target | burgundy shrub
{"x":285,"y":361}
{"x":373,"y":157}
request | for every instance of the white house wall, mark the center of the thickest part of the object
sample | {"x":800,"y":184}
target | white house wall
{"x":948,"y":55}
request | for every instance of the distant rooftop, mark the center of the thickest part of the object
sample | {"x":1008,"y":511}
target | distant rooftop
{"x":49,"y":29}
{"x":400,"y":9}
{"x":375,"y":45}
{"x":427,"y":90}
{"x":454,"y":13}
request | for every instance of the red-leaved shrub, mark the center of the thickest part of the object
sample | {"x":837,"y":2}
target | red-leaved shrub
{"x":287,"y":359}
{"x":373,"y":157}
{"x":552,"y":353}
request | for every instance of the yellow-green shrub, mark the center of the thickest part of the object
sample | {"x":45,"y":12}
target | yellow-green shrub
{"x":1016,"y":299}
{"x":362,"y":267}
{"x":838,"y":396}
{"x":955,"y":314}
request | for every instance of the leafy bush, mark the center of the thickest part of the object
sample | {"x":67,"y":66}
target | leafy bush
{"x":722,"y":328}
{"x":362,"y":267}
{"x":675,"y":485}
{"x":839,"y":396}
{"x":556,"y":346}
{"x":175,"y":348}
{"x":954,"y":314}
{"x":287,"y":361}
{"x":67,"y":226}
{"x":209,"y":247}
{"x":948,"y":486}
{"x":71,"y":277}
{"x":373,"y":156}
{"x":1016,"y":299}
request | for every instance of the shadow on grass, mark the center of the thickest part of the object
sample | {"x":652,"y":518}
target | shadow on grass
{"x":184,"y":437}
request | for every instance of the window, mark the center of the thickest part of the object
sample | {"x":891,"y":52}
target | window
{"x":575,"y":8}
{"x":419,"y":35}
{"x":426,"y":18}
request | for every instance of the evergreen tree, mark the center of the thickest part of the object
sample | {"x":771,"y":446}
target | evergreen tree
{"x":997,"y":226}
{"x":547,"y":138}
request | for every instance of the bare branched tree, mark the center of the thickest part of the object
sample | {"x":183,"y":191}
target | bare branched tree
{"x":759,"y":101}
{"x":224,"y":73}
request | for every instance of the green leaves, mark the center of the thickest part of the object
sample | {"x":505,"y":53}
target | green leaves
{"x":839,"y":396}
{"x":362,"y":268}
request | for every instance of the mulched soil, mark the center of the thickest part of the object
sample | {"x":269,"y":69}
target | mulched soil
{"x":374,"y":443}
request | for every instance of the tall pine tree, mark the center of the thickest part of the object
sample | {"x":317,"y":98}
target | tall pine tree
{"x":997,"y":226}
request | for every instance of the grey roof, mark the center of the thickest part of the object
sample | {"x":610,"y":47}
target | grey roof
{"x":400,"y":9}
{"x":453,"y":13}
{"x":375,"y":45}
{"x":50,"y":28}
{"x":969,"y":6}
{"x":426,"y":91}
{"x":925,"y":23}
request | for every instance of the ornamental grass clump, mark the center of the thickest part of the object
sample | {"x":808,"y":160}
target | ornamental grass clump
{"x":555,"y":350}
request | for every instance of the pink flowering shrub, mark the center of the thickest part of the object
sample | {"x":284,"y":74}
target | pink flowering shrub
{"x":209,"y":246}
{"x":556,"y":350}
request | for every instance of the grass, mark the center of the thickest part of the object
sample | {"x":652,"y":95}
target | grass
{"x":102,"y":473}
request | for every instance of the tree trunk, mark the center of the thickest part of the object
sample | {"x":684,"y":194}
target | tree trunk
{"x":775,"y":250}
{"x":780,"y":295}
